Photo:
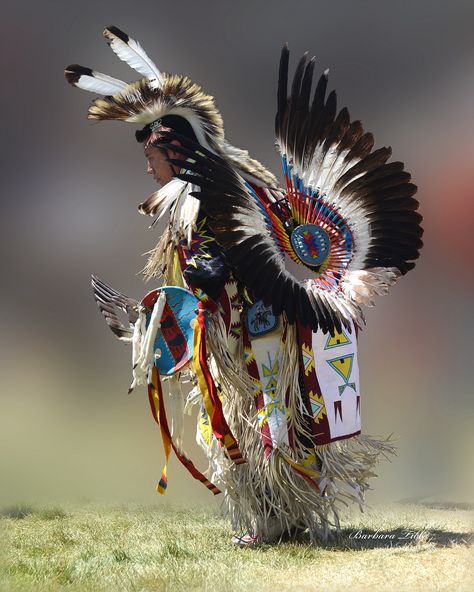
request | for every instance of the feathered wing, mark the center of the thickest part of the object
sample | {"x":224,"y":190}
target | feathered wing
{"x":109,"y":302}
{"x":242,"y":229}
{"x":337,"y":182}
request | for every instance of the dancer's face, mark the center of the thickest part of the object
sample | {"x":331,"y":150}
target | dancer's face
{"x":158,"y":165}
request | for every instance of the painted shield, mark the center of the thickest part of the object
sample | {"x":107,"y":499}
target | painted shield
{"x":173,"y":346}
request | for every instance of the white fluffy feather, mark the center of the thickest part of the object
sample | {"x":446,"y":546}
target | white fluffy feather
{"x":363,"y":285}
{"x":337,"y":301}
{"x":160,"y":201}
{"x":184,"y":214}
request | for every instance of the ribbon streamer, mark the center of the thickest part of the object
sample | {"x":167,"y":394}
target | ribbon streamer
{"x":155,"y":397}
{"x":208,"y":389}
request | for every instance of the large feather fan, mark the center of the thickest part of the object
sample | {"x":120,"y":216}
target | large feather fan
{"x":348,"y":214}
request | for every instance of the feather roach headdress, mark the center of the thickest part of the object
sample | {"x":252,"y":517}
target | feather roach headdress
{"x":157,"y":95}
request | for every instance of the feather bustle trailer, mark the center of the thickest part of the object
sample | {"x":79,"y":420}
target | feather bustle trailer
{"x":336,"y":181}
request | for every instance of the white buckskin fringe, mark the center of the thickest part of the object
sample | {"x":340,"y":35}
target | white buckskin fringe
{"x":266,"y":495}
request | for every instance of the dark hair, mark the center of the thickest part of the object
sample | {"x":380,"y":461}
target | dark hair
{"x":175,"y":122}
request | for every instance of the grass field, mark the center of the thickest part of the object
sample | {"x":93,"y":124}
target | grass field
{"x":92,"y":548}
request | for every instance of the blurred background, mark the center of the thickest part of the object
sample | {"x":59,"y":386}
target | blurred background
{"x":70,"y":190}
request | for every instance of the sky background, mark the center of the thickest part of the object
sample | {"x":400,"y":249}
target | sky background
{"x":68,"y":430}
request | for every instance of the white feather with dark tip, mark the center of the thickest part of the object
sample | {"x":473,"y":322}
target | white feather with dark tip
{"x":93,"y":81}
{"x":131,"y":52}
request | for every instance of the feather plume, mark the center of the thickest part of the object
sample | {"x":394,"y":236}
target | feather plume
{"x":93,"y":81}
{"x":131,"y":52}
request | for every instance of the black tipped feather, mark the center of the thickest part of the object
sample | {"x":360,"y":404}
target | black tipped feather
{"x":73,"y":72}
{"x":282,"y":87}
{"x":118,"y":33}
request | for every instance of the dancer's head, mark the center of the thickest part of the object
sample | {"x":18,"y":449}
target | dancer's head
{"x":157,"y":157}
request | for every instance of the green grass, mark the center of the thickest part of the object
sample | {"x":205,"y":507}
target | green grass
{"x":93,"y":548}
